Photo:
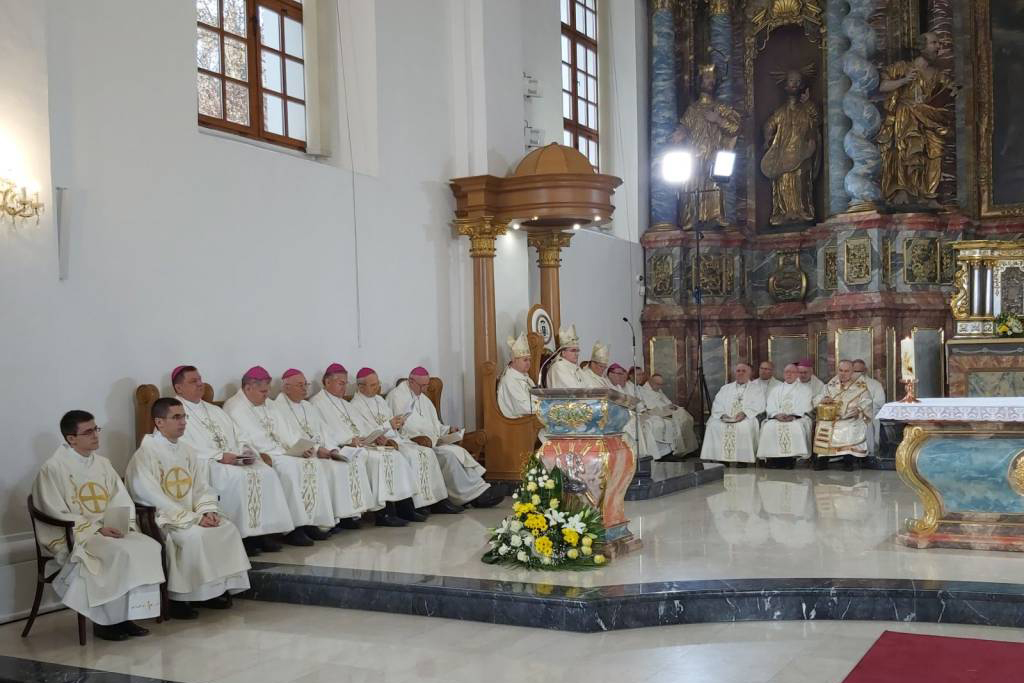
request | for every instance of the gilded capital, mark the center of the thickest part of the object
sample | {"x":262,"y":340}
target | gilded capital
{"x":661,"y":5}
{"x":549,"y":247}
{"x":481,"y":232}
{"x":718,"y":7}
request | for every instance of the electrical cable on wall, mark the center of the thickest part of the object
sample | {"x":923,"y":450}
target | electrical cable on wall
{"x":352,"y":171}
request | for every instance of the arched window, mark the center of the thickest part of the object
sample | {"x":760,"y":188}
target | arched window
{"x":579,"y":76}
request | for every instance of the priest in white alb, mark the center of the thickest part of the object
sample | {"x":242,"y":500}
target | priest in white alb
{"x":641,"y":421}
{"x":847,"y":434}
{"x":594,"y":374}
{"x":206,"y":560}
{"x":564,"y":371}
{"x":110,"y":575}
{"x":877,"y":391}
{"x":305,"y":483}
{"x":250,"y":491}
{"x":463,"y":476}
{"x":685,"y":438}
{"x":786,"y":431}
{"x":391,"y":477}
{"x":514,"y":399}
{"x":345,"y":466}
{"x":732,"y":429}
{"x":765,"y":380}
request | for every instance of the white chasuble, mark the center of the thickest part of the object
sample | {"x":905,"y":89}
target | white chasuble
{"x":848,"y":434}
{"x":202,"y":562}
{"x":304,"y":480}
{"x":463,"y":476}
{"x":250,"y":495}
{"x":390,"y":476}
{"x":514,"y":399}
{"x":726,"y":439}
{"x":564,"y":375}
{"x":374,"y":413}
{"x":348,"y":481}
{"x":109,"y":580}
{"x":684,"y":437}
{"x":787,"y":439}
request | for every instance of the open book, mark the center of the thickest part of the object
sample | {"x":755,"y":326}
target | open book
{"x":300,"y":447}
{"x":373,"y":436}
{"x":454,"y":437}
{"x":117,"y":518}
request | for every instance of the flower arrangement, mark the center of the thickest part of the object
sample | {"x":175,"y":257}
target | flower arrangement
{"x":1009,"y":325}
{"x":545,"y":529}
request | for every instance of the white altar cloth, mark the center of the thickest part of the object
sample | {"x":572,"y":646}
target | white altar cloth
{"x":981,"y":409}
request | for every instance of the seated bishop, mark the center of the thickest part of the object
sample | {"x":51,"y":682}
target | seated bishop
{"x":305,"y":483}
{"x":849,"y":399}
{"x":345,"y":466}
{"x":463,"y":476}
{"x":679,"y":425}
{"x":563,"y":368}
{"x":514,"y":399}
{"x":250,"y":492}
{"x":206,"y":560}
{"x":641,"y":421}
{"x":110,"y":575}
{"x":390,"y":475}
{"x":786,"y":431}
{"x":594,"y":374}
{"x":732,"y":429}
{"x":373,"y":413}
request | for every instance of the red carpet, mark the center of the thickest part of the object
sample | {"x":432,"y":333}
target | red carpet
{"x":907,"y":658}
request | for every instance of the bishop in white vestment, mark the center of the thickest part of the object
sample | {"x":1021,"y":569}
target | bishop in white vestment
{"x":391,"y":477}
{"x":463,"y":475}
{"x":302,"y":476}
{"x":786,"y":432}
{"x":345,"y":466}
{"x":564,"y":371}
{"x":514,"y":399}
{"x":847,"y":434}
{"x":110,"y":576}
{"x":250,"y":491}
{"x":205,"y":556}
{"x":732,"y":429}
{"x":593,"y":375}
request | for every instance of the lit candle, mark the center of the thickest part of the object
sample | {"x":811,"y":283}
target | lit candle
{"x":907,"y":358}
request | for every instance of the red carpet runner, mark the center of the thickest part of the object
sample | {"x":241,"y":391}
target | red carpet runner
{"x":907,"y":658}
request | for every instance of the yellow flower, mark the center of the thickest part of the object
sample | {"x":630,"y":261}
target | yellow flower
{"x":588,"y":541}
{"x":572,"y":553}
{"x":544,"y":546}
{"x":531,"y":486}
{"x":571,"y":536}
{"x":536,"y":500}
{"x":1003,"y":329}
{"x":523,"y":508}
{"x":549,"y":484}
{"x":554,"y":504}
{"x":586,"y":551}
{"x":598,"y":559}
{"x":536,"y":522}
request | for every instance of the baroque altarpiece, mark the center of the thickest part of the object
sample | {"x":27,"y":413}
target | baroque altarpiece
{"x":870,"y":137}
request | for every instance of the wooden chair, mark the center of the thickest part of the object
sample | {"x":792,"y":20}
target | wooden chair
{"x":474,"y":442}
{"x":145,"y":396}
{"x":510,"y":441}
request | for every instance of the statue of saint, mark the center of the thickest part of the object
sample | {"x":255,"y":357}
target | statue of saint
{"x":707,"y":127}
{"x":915,"y":127}
{"x":792,"y":136}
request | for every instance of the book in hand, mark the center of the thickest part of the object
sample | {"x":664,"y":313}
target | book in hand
{"x":300,"y":447}
{"x":117,"y":518}
{"x":247,"y":457}
{"x":372,"y":437}
{"x":454,"y":437}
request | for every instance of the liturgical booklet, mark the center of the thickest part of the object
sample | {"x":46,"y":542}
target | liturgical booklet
{"x":454,"y":437}
{"x":300,"y":447}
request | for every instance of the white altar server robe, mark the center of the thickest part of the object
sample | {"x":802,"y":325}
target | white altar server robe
{"x":250,"y":495}
{"x":305,"y":482}
{"x":685,"y":439}
{"x":202,"y":562}
{"x":463,"y":476}
{"x":109,"y":580}
{"x":391,"y":477}
{"x":564,"y":375}
{"x":514,"y":399}
{"x":348,"y":482}
{"x":787,"y":439}
{"x":733,"y":441}
{"x":428,"y":479}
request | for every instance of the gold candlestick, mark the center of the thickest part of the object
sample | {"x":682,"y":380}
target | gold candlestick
{"x":910,"y":395}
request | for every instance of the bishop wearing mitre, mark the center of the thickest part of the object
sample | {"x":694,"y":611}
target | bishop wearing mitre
{"x":463,"y":476}
{"x":249,"y":490}
{"x":594,"y":374}
{"x":205,"y":557}
{"x":732,"y":429}
{"x":786,"y":432}
{"x":514,"y":399}
{"x":846,"y":434}
{"x":110,"y":575}
{"x":564,"y":371}
{"x":302,"y":476}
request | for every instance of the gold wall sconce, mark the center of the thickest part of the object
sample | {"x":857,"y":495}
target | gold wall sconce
{"x":16,"y":204}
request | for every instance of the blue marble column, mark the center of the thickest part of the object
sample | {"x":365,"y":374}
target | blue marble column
{"x":721,"y":49}
{"x":838,"y":124}
{"x":861,"y":180}
{"x":664,"y":117}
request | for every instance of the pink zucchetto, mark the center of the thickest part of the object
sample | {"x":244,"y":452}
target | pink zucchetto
{"x":365,"y":372}
{"x":335,"y":369}
{"x":419,"y":371}
{"x":291,"y":372}
{"x":804,"y":363}
{"x":257,"y":373}
{"x":615,"y":366}
{"x":177,"y":371}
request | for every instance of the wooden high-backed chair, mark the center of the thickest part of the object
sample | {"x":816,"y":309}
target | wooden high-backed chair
{"x":510,"y":441}
{"x":145,"y":396}
{"x":474,"y":442}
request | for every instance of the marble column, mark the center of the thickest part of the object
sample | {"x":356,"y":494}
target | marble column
{"x":720,"y":12}
{"x":664,"y":116}
{"x":549,"y":247}
{"x":838,"y":124}
{"x":862,"y":180}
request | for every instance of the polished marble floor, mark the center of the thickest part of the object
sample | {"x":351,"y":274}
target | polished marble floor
{"x":258,"y":642}
{"x":752,"y":524}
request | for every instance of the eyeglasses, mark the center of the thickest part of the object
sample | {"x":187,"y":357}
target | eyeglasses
{"x":90,"y":432}
{"x":182,"y":416}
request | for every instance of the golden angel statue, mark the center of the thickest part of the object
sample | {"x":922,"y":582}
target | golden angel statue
{"x":792,"y":137}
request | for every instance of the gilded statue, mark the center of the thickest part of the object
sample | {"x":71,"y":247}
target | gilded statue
{"x":958,"y":304}
{"x":915,"y":126}
{"x":792,"y":137}
{"x":707,"y":126}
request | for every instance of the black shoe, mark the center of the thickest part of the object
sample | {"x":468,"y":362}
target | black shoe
{"x":114,"y":632}
{"x":316,"y":534}
{"x":384,"y":519}
{"x":182,"y":610}
{"x":820,"y":463}
{"x":488,"y":499}
{"x":848,"y":462}
{"x":133,"y":629}
{"x":219,"y":602}
{"x":741,"y":465}
{"x":404,"y":509}
{"x":349,"y":523}
{"x":446,"y":507}
{"x":252,"y":546}
{"x":269,"y":544}
{"x":298,"y":537}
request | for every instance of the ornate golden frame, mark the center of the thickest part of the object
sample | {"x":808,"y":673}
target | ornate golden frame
{"x":908,"y":244}
{"x":906,"y":464}
{"x":650,"y":353}
{"x":856,"y":242}
{"x":870,"y":360}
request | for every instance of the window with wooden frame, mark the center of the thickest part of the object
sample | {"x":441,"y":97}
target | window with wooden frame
{"x":579,"y":77}
{"x":252,"y":70}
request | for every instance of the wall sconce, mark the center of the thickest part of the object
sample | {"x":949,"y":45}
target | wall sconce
{"x":15,"y":203}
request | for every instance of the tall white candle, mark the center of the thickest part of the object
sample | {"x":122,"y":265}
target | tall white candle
{"x":907,"y":358}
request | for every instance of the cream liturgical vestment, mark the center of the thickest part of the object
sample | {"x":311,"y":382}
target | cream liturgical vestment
{"x":787,"y":439}
{"x":514,"y":398}
{"x":651,"y":426}
{"x":848,"y":433}
{"x":765,"y":386}
{"x":463,"y":476}
{"x":348,"y":481}
{"x":877,"y":392}
{"x":727,"y":440}
{"x":391,"y":477}
{"x":564,"y":375}
{"x":816,"y":385}
{"x":109,"y":580}
{"x":202,"y":562}
{"x":684,"y":438}
{"x":304,"y":480}
{"x":592,"y":380}
{"x":428,"y":480}
{"x":250,"y":495}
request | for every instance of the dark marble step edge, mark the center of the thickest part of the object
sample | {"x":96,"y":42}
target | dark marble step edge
{"x":645,"y":489}
{"x":606,"y":608}
{"x":19,"y":670}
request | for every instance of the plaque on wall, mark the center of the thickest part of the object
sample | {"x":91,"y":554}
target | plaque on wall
{"x":538,"y":320}
{"x":830,"y":269}
{"x":886,"y":261}
{"x":788,"y":282}
{"x":663,"y":275}
{"x":857,"y":261}
{"x":947,"y":262}
{"x":711,"y":273}
{"x":856,"y":342}
{"x":920,"y":260}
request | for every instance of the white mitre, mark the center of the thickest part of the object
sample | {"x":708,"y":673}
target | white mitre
{"x":518,"y":347}
{"x":568,"y":337}
{"x":600,"y":353}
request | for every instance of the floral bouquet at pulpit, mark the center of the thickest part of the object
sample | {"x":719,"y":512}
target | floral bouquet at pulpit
{"x":547,"y":530}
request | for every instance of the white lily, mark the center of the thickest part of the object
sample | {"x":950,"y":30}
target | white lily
{"x":576,"y":523}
